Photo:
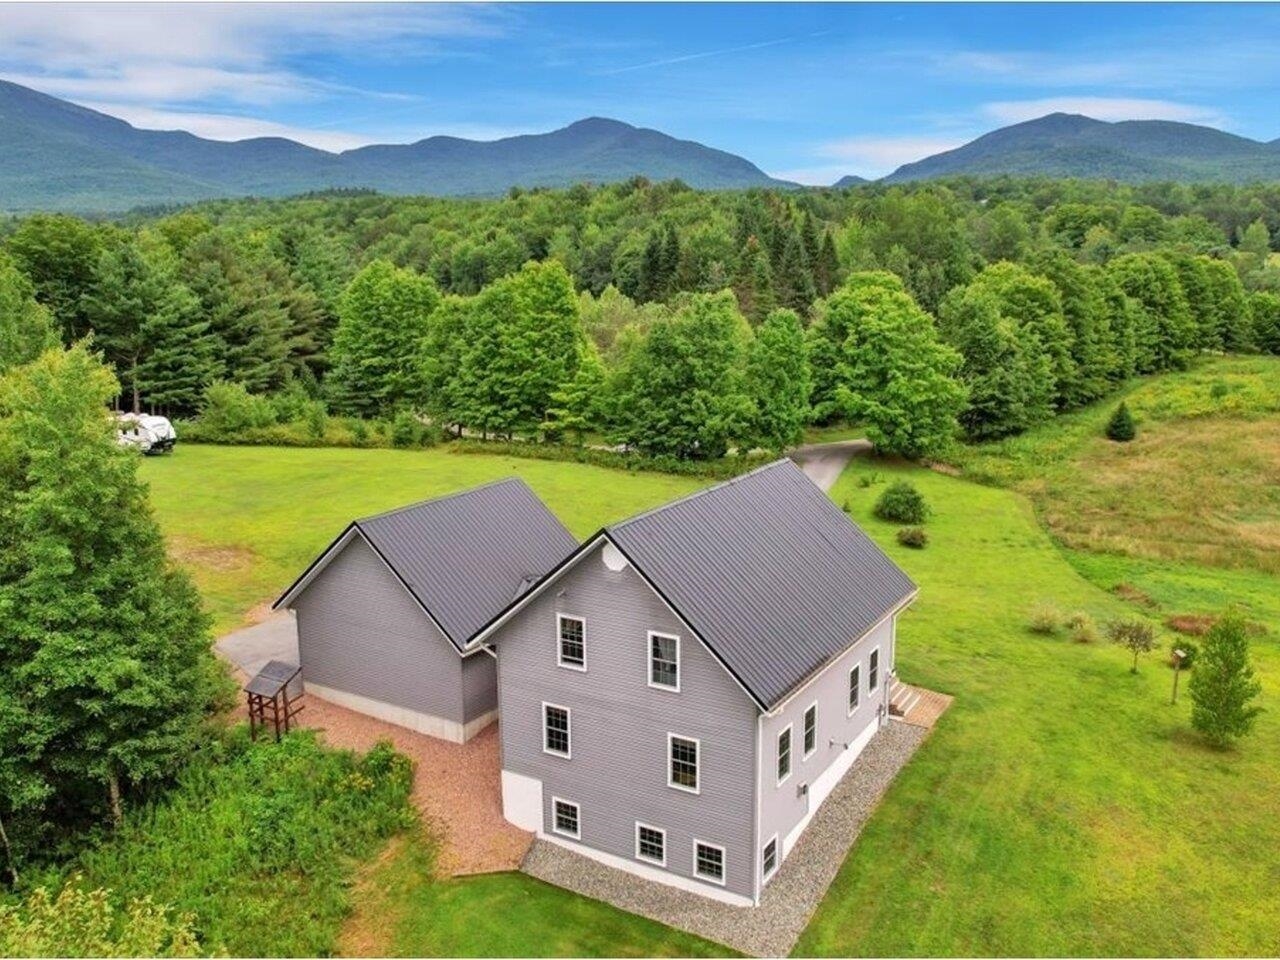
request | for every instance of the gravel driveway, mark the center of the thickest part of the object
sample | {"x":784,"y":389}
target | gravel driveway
{"x":772,"y":928}
{"x":824,"y":462}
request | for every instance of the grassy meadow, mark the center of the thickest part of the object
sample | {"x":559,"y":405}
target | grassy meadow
{"x":1062,"y":805}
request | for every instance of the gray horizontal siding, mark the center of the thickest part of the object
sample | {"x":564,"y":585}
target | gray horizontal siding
{"x":479,"y":685}
{"x":360,"y":631}
{"x":618,"y":771}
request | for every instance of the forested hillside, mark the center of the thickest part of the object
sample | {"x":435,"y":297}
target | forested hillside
{"x":676,"y":322}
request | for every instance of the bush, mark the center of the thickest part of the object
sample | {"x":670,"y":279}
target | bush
{"x":1189,"y":653}
{"x":1224,"y":686}
{"x":408,"y":431}
{"x":902,"y":503}
{"x":1081,"y":628}
{"x":913,"y":537}
{"x":1120,"y":427}
{"x":229,"y":409}
{"x":1045,"y":619}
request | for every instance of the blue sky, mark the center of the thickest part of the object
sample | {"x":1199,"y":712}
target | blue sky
{"x":807,"y":92}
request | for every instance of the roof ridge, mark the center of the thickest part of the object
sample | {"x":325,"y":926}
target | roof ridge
{"x":698,"y":493}
{"x":442,"y":498}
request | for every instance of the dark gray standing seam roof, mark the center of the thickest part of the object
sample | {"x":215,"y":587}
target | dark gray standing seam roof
{"x":464,"y":556}
{"x":772,"y":576}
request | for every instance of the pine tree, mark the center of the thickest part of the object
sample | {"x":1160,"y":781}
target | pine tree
{"x":651,"y":280}
{"x":1223,"y":686}
{"x":1264,"y":319}
{"x":104,"y":641}
{"x":794,"y":279}
{"x":670,"y":264}
{"x":826,"y":269}
{"x":778,"y":381}
{"x":753,"y":283}
{"x":1120,"y":427}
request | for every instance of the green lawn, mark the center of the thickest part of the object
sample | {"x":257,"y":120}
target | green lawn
{"x":1062,"y":806}
{"x":248,"y":520}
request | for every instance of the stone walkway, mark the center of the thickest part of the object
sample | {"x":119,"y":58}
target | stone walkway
{"x":771,"y":929}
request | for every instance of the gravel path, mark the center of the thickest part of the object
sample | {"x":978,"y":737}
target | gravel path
{"x":771,"y":929}
{"x":824,"y":462}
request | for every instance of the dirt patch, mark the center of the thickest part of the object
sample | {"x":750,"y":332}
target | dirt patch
{"x":225,"y":558}
{"x":1190,"y":624}
{"x":1127,"y":591}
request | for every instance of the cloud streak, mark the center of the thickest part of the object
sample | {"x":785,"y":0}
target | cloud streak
{"x":705,"y":54}
{"x":1103,"y":108}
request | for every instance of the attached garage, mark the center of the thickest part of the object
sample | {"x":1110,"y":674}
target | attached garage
{"x":385,"y":613}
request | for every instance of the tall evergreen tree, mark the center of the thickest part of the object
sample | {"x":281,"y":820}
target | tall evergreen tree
{"x":383,"y":317}
{"x":793,"y":279}
{"x":104,"y":642}
{"x":753,"y":283}
{"x":826,"y":270}
{"x":1223,"y":684}
{"x":1093,"y":345}
{"x":1264,"y":317}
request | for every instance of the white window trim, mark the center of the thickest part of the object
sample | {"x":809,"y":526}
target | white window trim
{"x":567,"y":755}
{"x":581,"y":668}
{"x":855,"y":688}
{"x":640,"y":856}
{"x":679,"y":786}
{"x":555,"y":824}
{"x":875,"y":652}
{"x":724,"y":863}
{"x":791,"y":752}
{"x":648,"y":666}
{"x":806,"y":754}
{"x":777,"y":859}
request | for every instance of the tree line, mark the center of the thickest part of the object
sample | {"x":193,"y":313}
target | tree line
{"x":673,"y":321}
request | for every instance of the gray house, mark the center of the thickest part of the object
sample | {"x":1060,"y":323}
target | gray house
{"x":387,"y":613}
{"x":682,"y":692}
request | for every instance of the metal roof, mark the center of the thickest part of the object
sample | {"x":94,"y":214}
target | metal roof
{"x":464,"y":557}
{"x":771,"y":575}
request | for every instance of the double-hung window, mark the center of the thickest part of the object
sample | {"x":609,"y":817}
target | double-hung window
{"x":571,"y":642}
{"x":855,"y":687}
{"x":810,"y":730}
{"x":784,"y":754}
{"x":565,"y":818}
{"x":651,"y":844}
{"x":769,"y":859}
{"x":682,"y":764}
{"x":664,"y":661}
{"x":708,"y":861}
{"x":873,"y":670}
{"x":555,"y":730}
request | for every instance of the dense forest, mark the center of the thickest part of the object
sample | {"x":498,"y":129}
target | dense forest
{"x":675,"y":322}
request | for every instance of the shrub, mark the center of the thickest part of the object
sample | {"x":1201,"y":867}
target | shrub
{"x":229,"y":409}
{"x":1082,"y":628}
{"x":902,"y":503}
{"x":870,"y":479}
{"x":1136,"y":636}
{"x":913,"y":537}
{"x":408,"y":431}
{"x":1045,"y":619}
{"x":1120,"y":427}
{"x":1223,"y":686}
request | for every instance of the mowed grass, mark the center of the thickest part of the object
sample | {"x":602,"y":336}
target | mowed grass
{"x":1062,"y":806}
{"x":1200,"y":484}
{"x":247,"y":520}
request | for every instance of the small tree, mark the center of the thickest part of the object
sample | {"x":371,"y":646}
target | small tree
{"x":1120,"y":427}
{"x":1223,"y":684}
{"x":902,"y":503}
{"x":1136,"y":636}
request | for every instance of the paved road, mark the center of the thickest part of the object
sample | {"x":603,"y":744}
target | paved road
{"x":824,"y":462}
{"x":275,"y":638}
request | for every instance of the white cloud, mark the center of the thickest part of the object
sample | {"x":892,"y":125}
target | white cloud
{"x":221,"y":126}
{"x":819,"y":176}
{"x":1102,"y":108}
{"x":876,"y":156}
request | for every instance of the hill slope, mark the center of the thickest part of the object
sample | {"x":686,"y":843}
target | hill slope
{"x":57,"y":155}
{"x":1069,"y":145}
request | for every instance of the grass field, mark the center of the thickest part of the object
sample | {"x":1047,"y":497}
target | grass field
{"x":1062,"y":806}
{"x":247,"y":520}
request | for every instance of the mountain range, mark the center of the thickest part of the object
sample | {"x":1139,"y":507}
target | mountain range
{"x":56,"y":155}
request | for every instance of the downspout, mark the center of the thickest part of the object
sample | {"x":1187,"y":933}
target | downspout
{"x":756,"y":882}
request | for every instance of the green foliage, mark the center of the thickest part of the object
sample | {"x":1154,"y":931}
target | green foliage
{"x":109,"y":675}
{"x":228,"y":409}
{"x":1223,"y":685}
{"x":778,"y":381}
{"x":901,"y":502}
{"x":259,"y":842}
{"x":1189,"y":650}
{"x":914,"y":537}
{"x":408,"y":431}
{"x":1120,"y":427}
{"x":1264,"y":316}
{"x":892,"y":372}
{"x":26,"y":328}
{"x":1082,"y":628}
{"x":383,"y":318}
{"x":1136,"y":636}
{"x":1045,"y":619}
{"x":87,"y":923}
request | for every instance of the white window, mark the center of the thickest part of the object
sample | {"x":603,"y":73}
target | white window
{"x":571,"y":642}
{"x":810,"y":730}
{"x":769,"y":858}
{"x":555,"y":729}
{"x":708,"y":861}
{"x":651,"y":844}
{"x":564,"y":818}
{"x":873,"y":671}
{"x":664,"y":661}
{"x":855,"y":687}
{"x":682,"y":766}
{"x":784,"y":754}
